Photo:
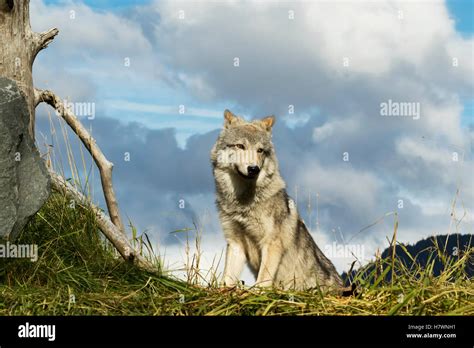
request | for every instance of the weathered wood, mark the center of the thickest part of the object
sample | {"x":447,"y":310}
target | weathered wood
{"x":25,"y":181}
{"x":19,"y":46}
{"x":105,"y":166}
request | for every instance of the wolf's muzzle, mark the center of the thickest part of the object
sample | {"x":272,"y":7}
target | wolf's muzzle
{"x":253,"y":171}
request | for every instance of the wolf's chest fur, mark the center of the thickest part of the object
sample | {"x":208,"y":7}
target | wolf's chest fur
{"x":253,"y":220}
{"x":255,"y":210}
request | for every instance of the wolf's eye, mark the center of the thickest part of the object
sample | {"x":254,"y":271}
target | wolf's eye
{"x":260,"y":150}
{"x":240,"y":146}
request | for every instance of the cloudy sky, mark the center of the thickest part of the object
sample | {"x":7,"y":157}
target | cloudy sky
{"x":160,"y":73}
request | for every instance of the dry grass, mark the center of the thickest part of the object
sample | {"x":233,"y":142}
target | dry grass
{"x":79,"y":273}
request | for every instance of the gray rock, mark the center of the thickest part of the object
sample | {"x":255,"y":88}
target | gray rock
{"x":24,"y":180}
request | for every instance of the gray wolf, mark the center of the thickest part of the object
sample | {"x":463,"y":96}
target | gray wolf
{"x":260,"y":221}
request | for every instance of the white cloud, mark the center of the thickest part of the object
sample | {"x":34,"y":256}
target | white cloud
{"x":335,"y":186}
{"x":89,"y":34}
{"x":339,"y":128}
{"x":197,"y":85}
{"x":158,"y":109}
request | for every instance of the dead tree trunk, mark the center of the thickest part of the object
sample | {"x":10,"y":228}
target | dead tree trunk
{"x":24,"y":180}
{"x":19,"y":46}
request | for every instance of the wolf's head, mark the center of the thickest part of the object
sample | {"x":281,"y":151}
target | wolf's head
{"x":244,"y":149}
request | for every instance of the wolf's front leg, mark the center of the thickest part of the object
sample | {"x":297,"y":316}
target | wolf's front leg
{"x":234,"y":263}
{"x":271,"y":255}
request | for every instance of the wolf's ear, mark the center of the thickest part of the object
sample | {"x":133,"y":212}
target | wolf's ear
{"x":268,"y":122}
{"x":230,"y":119}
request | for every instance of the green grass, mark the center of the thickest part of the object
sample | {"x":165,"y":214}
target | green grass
{"x":75,"y":261}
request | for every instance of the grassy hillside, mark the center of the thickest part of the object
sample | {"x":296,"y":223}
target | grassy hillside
{"x":79,"y":273}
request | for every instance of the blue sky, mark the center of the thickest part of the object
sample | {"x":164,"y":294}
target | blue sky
{"x":108,"y":5}
{"x":463,"y":13}
{"x":461,"y":10}
{"x":189,"y":62}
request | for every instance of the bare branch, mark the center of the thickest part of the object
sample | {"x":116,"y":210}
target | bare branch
{"x":113,"y":234}
{"x":42,"y":40}
{"x":105,"y":167}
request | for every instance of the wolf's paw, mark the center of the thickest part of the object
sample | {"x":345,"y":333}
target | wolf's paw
{"x":231,"y":284}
